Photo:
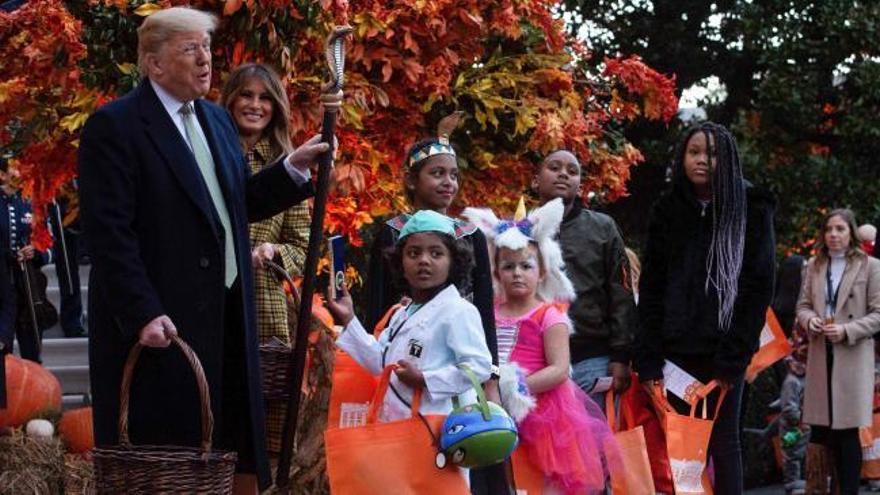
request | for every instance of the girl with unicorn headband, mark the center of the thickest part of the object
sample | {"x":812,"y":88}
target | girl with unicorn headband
{"x":562,"y":431}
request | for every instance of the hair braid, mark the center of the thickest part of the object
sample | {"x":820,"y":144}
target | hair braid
{"x":724,"y":261}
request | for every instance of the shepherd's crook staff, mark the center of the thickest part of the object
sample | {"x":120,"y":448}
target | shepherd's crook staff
{"x":331,"y":98}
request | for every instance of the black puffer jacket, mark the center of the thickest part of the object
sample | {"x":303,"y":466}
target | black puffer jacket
{"x":678,"y":317}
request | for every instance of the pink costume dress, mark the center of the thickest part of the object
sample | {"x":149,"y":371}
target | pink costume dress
{"x":566,"y":435}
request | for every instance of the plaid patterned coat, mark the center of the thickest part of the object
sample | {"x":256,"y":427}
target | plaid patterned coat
{"x":289,"y":232}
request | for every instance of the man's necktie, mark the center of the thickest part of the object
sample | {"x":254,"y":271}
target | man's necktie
{"x":209,"y":174}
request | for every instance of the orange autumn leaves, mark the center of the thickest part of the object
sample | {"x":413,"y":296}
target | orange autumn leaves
{"x":526,"y":86}
{"x":41,"y":100}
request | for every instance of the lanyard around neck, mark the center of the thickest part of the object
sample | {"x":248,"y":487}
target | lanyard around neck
{"x":831,"y":292}
{"x":392,"y":333}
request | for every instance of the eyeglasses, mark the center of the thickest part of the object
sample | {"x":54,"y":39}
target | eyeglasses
{"x":192,"y":49}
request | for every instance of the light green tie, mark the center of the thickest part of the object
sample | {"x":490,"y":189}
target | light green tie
{"x":209,"y":174}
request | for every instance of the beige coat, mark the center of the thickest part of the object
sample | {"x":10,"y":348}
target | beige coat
{"x":852,"y":379}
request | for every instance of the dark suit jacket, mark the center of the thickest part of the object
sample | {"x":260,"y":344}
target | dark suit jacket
{"x":157,"y":248}
{"x":15,"y":233}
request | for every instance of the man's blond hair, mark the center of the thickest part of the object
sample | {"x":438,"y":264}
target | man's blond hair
{"x":162,"y":25}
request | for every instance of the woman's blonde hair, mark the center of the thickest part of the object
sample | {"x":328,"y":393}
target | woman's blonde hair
{"x":278,"y":130}
{"x":162,"y":25}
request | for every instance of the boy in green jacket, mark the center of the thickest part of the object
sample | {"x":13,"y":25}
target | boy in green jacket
{"x":603,"y":314}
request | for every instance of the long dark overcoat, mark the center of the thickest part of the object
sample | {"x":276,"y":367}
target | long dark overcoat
{"x":157,"y":248}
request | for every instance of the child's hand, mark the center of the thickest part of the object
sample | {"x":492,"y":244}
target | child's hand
{"x":621,"y":374}
{"x":651,"y":385}
{"x":409,"y":374}
{"x":342,"y":309}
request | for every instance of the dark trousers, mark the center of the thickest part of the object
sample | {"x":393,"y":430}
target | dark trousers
{"x":234,"y":425}
{"x":725,"y":448}
{"x":843,"y":445}
{"x":2,"y":380}
{"x":846,"y":452}
{"x":28,"y":335}
{"x":67,"y":268}
{"x":490,"y":480}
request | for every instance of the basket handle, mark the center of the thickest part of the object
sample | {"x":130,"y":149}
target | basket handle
{"x":282,"y":273}
{"x":204,"y":393}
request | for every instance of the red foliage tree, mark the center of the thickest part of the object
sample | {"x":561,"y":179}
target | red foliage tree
{"x":528,"y":87}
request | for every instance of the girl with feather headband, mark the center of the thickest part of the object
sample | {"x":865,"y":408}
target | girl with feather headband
{"x":562,"y":431}
{"x":431,"y":182}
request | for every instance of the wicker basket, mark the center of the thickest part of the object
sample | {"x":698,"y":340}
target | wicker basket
{"x":276,"y":358}
{"x":131,"y":469}
{"x":275,"y":364}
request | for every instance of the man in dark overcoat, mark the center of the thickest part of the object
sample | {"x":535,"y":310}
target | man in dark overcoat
{"x":166,"y":198}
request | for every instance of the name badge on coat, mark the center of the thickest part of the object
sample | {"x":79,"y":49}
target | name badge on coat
{"x":415,"y":348}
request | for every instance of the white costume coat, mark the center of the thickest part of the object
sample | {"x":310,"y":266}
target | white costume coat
{"x":445,"y":332}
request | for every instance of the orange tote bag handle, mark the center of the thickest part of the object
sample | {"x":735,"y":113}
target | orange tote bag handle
{"x":629,"y":464}
{"x":353,"y":386}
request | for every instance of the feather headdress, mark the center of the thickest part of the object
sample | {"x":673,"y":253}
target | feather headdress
{"x":540,"y":226}
{"x":442,"y":146}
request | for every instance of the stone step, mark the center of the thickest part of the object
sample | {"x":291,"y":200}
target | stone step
{"x":53,"y":292}
{"x":69,"y":402}
{"x":54,"y":296}
{"x":52,"y":277}
{"x":65,"y":352}
{"x":74,"y":379}
{"x":62,"y":352}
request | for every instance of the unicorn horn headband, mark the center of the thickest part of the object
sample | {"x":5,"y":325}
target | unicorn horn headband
{"x":513,"y":234}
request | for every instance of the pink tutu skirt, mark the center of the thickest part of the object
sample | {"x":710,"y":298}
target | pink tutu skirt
{"x":567,"y":438}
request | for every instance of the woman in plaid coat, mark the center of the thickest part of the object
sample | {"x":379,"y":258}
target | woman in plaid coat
{"x":259,"y":106}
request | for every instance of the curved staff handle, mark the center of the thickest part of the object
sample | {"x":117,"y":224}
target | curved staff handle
{"x":331,"y":99}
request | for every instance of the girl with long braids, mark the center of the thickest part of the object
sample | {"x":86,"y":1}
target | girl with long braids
{"x":706,"y":282}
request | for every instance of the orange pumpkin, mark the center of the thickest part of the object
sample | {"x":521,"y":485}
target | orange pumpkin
{"x":76,"y":430}
{"x":30,"y":390}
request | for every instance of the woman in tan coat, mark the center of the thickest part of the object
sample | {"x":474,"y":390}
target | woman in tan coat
{"x":840,"y":307}
{"x":259,"y":106}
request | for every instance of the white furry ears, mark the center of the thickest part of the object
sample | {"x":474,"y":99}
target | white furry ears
{"x":540,"y":226}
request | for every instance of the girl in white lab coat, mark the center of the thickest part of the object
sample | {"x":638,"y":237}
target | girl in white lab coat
{"x":429,"y":338}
